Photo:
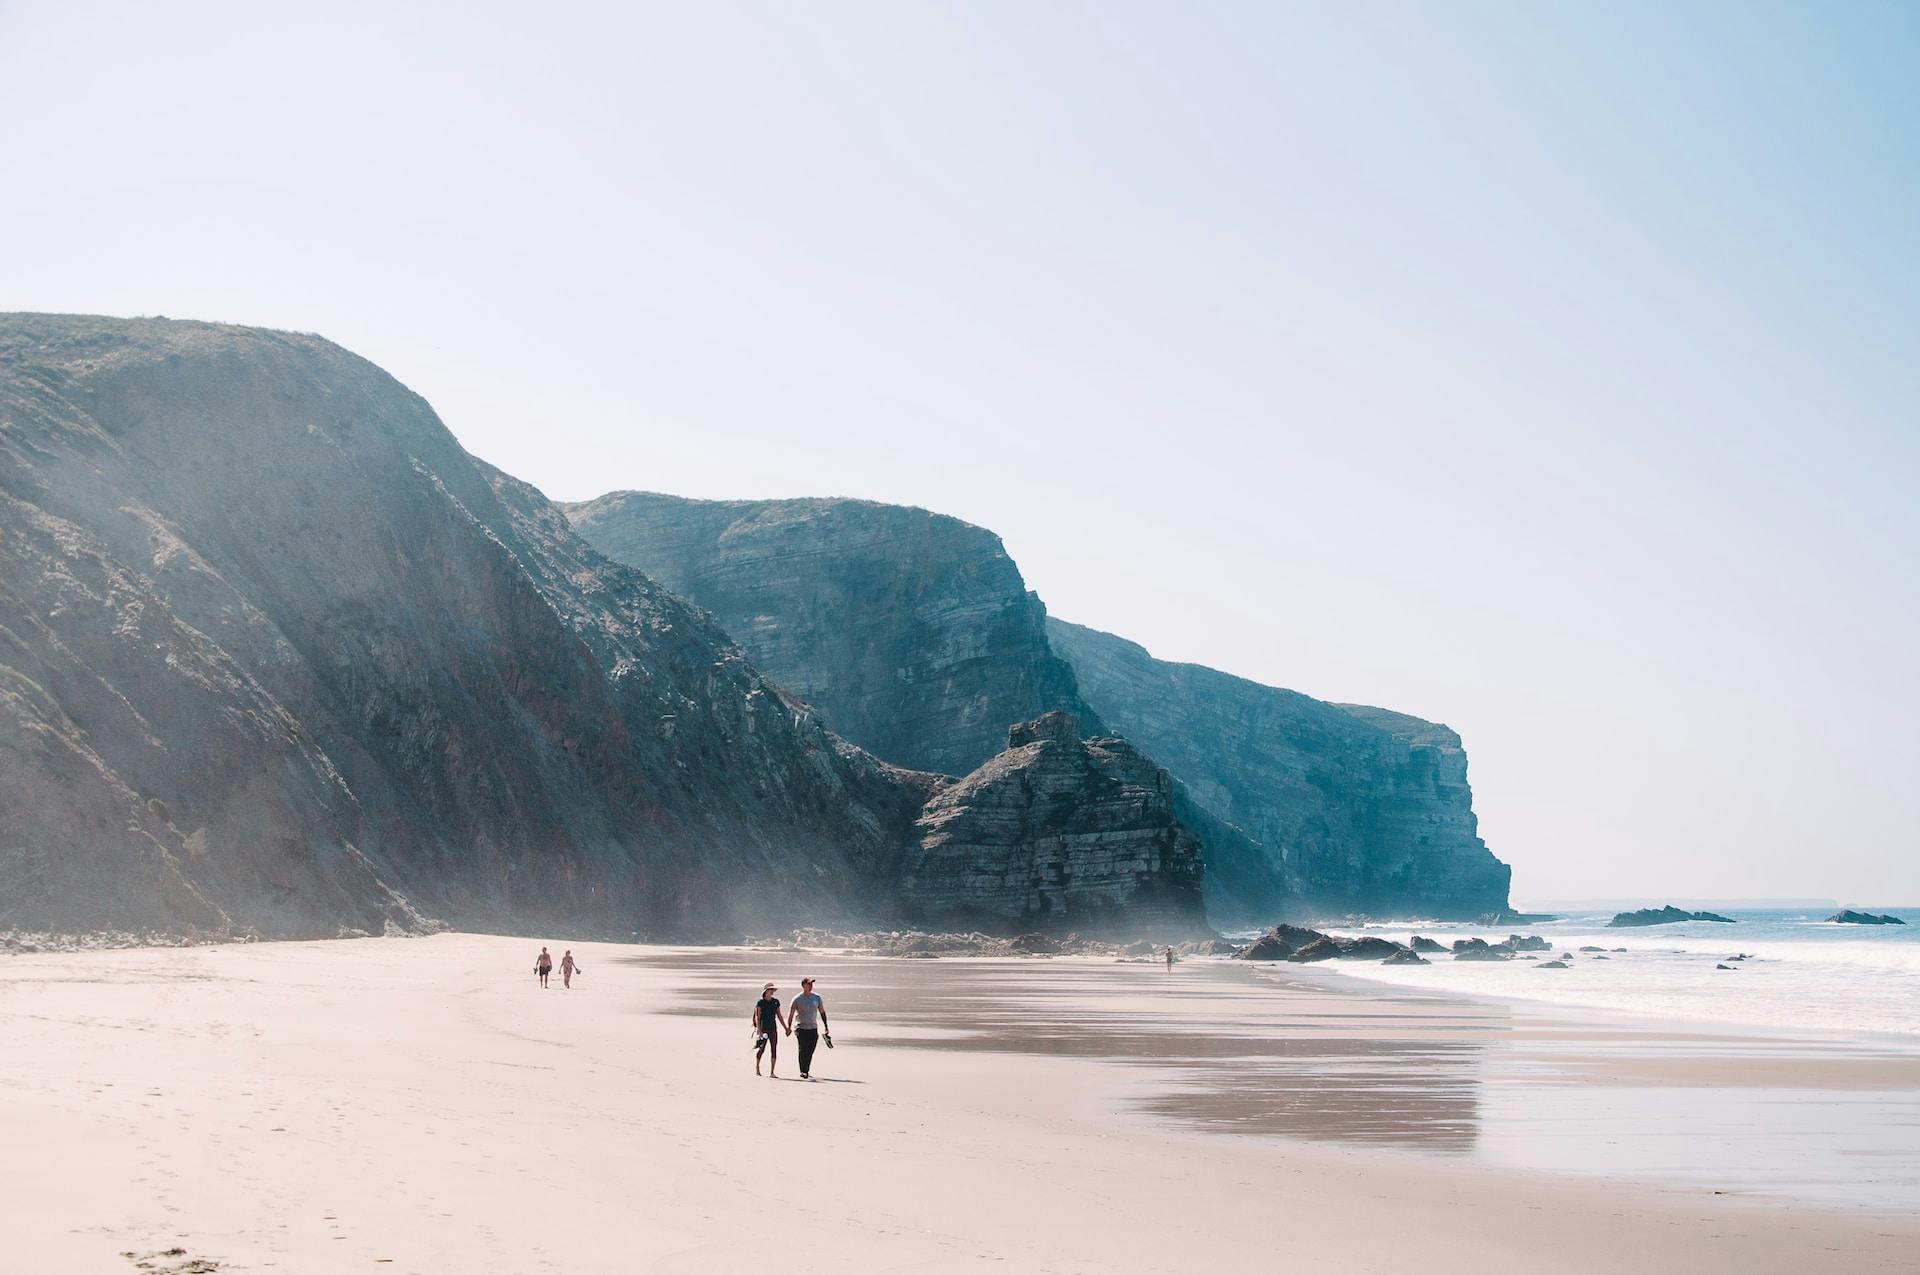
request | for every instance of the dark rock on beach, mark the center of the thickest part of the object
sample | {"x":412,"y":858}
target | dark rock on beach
{"x":1864,"y":918}
{"x":1481,"y":950}
{"x":1279,"y":943}
{"x":1371,"y":948}
{"x":1668,"y":915}
{"x":1321,"y":949}
{"x":1554,"y":965}
{"x":1057,"y":833}
{"x":1528,"y":943}
{"x":1406,"y":956}
{"x":1426,"y":945}
{"x":1334,"y":948}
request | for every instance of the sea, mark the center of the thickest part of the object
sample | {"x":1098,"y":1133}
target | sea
{"x":1799,"y":971}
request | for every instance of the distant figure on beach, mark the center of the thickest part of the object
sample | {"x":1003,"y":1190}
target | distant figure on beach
{"x":543,"y":966}
{"x":567,"y":968}
{"x":1169,"y":960}
{"x":809,"y":1018}
{"x":767,"y":1025}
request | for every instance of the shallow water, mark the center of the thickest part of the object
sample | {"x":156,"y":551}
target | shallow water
{"x":1801,"y":971}
{"x":1304,"y":1053}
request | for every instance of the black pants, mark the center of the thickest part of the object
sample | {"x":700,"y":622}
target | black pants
{"x":809,"y":1041}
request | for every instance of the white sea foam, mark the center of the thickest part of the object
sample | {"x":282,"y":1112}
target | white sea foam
{"x":1801,"y":972}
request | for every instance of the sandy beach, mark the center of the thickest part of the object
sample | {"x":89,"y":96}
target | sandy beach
{"x":422,"y":1105}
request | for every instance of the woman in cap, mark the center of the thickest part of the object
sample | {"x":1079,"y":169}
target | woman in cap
{"x":767,"y":1022}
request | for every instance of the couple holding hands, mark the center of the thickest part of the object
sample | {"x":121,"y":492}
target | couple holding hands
{"x":807,"y":1019}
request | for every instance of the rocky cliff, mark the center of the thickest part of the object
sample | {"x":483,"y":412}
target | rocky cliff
{"x":915,"y":636}
{"x":275,"y":653}
{"x":912,"y":633}
{"x":1057,"y":833}
{"x":1351,"y":808}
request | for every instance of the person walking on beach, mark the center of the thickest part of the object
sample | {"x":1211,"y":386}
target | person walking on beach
{"x":568,"y":968}
{"x":1169,"y":960}
{"x":543,"y":966}
{"x":809,"y":1018}
{"x":767,"y":1024}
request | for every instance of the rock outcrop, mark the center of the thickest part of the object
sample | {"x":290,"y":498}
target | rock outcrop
{"x":1349,"y":808}
{"x":1279,"y":943}
{"x":1864,"y":918}
{"x":912,"y":633}
{"x":1057,"y":833}
{"x":1668,"y":915}
{"x":1304,"y":946}
{"x":277,"y":654}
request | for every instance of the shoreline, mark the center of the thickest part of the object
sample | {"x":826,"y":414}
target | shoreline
{"x":1648,"y":1020}
{"x":421,"y":1105}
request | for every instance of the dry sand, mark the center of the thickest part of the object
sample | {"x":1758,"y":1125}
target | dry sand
{"x":421,"y":1105}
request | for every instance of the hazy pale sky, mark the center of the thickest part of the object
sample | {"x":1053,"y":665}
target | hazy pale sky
{"x":1552,"y":371}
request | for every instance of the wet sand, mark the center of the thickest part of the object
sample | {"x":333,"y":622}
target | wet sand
{"x":422,"y":1105}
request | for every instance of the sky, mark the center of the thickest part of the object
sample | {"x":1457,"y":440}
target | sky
{"x":1552,"y":371}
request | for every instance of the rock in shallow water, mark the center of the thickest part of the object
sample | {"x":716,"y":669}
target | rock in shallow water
{"x":1668,"y":915}
{"x":1864,"y":918}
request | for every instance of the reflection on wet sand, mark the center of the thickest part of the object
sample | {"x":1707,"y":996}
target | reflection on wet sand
{"x":1226,"y":1053}
{"x":1226,"y":1047}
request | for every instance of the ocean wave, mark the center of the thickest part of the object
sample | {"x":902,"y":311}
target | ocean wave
{"x":1798,"y":972}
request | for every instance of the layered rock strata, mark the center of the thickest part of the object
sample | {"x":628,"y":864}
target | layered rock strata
{"x":912,"y":633}
{"x":1054,"y":834}
{"x":1348,"y":808}
{"x":277,"y":654}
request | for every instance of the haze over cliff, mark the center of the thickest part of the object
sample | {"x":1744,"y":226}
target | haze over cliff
{"x":910,"y":632}
{"x":275,"y":653}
